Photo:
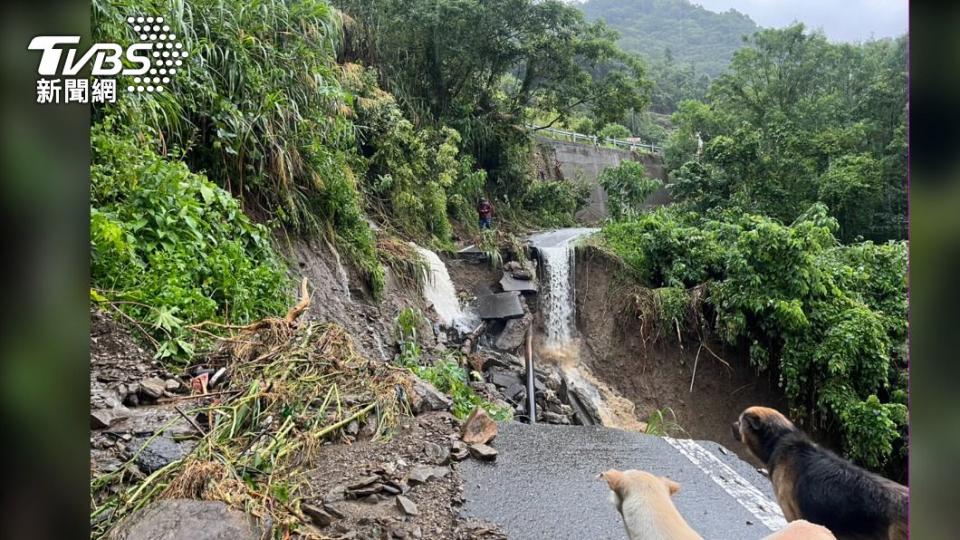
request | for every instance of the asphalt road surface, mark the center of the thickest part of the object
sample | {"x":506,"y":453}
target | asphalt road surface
{"x":559,"y":237}
{"x":544,"y":484}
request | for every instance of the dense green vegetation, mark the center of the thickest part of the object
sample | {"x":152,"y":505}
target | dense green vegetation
{"x":417,"y":179}
{"x":674,"y":82}
{"x":799,"y":120}
{"x":678,"y":31}
{"x":829,"y":318}
{"x":259,"y":108}
{"x":170,"y":247}
{"x":282,"y":105}
{"x":405,"y":113}
{"x":627,"y":186}
{"x":269,"y":110}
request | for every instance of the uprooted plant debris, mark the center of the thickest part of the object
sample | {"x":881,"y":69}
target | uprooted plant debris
{"x":295,"y":387}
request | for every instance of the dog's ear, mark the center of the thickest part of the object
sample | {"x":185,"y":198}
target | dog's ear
{"x":671,"y":485}
{"x":614,"y":479}
{"x":753,"y":421}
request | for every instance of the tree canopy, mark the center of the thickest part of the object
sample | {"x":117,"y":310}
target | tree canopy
{"x":477,"y":66}
{"x":798,"y":120}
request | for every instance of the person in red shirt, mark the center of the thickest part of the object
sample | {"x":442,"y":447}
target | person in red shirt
{"x":485,"y":211}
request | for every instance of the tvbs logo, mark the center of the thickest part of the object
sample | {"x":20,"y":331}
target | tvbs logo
{"x":148,"y":64}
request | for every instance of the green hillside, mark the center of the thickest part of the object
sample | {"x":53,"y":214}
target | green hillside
{"x":688,"y":33}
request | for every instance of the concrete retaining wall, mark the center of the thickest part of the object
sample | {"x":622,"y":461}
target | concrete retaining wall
{"x":560,"y":160}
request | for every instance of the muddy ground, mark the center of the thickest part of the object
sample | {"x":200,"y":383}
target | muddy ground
{"x":339,"y":295}
{"x":656,"y":373}
{"x":472,"y":278}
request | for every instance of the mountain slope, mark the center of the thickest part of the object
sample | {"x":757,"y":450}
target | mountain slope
{"x":688,"y":33}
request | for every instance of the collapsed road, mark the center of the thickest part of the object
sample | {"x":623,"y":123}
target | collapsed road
{"x":544,"y":484}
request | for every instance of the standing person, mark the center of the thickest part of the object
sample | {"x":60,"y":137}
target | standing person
{"x":485,"y":211}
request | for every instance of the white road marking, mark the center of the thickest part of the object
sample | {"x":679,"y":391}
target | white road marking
{"x":766,"y":511}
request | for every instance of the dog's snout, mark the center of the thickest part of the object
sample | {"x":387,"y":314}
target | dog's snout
{"x":735,"y":429}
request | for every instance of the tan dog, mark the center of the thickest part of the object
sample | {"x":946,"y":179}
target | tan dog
{"x":813,"y":483}
{"x":643,"y":500}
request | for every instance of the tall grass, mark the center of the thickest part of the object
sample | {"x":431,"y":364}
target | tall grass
{"x":259,"y":108}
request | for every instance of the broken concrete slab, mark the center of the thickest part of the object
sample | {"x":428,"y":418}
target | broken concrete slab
{"x":503,"y":378}
{"x":510,"y":283}
{"x":501,"y":306}
{"x":183,"y":518}
{"x":470,"y":252}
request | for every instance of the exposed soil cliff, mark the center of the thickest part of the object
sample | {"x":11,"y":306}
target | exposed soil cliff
{"x":654,"y":369}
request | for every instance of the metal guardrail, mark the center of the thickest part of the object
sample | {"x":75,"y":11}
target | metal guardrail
{"x":575,"y":137}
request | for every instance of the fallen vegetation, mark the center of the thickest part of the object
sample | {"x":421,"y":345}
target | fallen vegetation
{"x":293,"y":387}
{"x":446,"y":374}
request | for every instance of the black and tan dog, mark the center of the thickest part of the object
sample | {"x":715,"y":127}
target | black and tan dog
{"x":815,"y":484}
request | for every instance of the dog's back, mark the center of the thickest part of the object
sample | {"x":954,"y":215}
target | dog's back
{"x":643,"y":501}
{"x":827,"y":489}
{"x":815,"y":484}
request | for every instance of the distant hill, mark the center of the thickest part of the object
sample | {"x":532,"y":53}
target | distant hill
{"x":692,"y":34}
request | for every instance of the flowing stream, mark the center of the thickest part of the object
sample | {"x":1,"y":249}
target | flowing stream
{"x":559,"y":305}
{"x":439,"y":291}
{"x":596,"y":401}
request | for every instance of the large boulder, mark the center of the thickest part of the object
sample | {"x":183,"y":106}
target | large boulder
{"x":186,"y":519}
{"x":514,"y":333}
{"x":478,"y":428}
{"x":154,"y":453}
{"x":425,"y":397}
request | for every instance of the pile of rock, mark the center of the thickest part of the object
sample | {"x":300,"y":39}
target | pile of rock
{"x":399,"y":480}
{"x":506,"y":382}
